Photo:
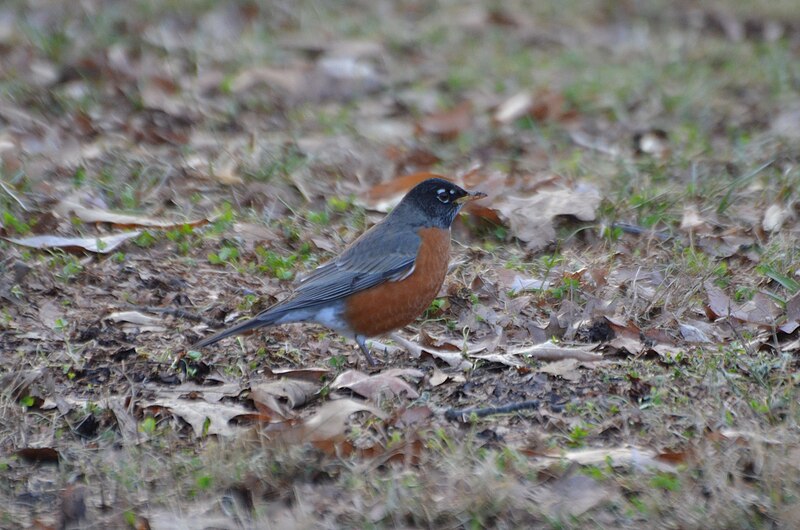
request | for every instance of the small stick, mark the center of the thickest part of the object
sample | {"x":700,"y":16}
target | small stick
{"x":463,"y":415}
{"x":13,"y":196}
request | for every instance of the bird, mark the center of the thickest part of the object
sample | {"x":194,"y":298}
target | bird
{"x":384,"y":279}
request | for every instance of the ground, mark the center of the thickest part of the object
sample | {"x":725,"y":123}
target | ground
{"x":615,"y":344}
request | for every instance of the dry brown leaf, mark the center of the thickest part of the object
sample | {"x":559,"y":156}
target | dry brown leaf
{"x":253,"y":234}
{"x":204,"y":418}
{"x":411,"y":416}
{"x":38,"y":454}
{"x":99,"y":244}
{"x":126,"y":423}
{"x":447,"y":124}
{"x":633,"y":345}
{"x":437,"y":378}
{"x":692,"y":333}
{"x":376,"y":386}
{"x":566,"y":369}
{"x":760,"y":310}
{"x":50,"y":312}
{"x":271,"y":398}
{"x":549,"y":105}
{"x":453,"y":358}
{"x":514,"y":282}
{"x":531,"y":218}
{"x":313,"y":374}
{"x":328,"y":424}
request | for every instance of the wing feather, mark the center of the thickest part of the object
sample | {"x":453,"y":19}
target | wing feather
{"x":372,"y":259}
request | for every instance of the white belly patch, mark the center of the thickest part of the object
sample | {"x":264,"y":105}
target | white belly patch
{"x":331,"y":317}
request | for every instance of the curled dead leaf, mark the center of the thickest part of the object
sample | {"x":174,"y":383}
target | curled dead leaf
{"x":271,"y":398}
{"x":69,"y":208}
{"x":554,"y":352}
{"x":98,"y":245}
{"x":327,"y":425}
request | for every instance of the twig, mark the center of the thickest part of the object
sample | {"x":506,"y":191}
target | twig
{"x":13,"y":196}
{"x":464,"y":415}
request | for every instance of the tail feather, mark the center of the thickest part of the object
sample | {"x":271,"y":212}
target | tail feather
{"x":264,"y":319}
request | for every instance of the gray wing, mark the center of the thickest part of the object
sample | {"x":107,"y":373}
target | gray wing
{"x":374,"y":258}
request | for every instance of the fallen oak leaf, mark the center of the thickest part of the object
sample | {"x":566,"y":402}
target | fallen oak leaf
{"x":377,"y":385}
{"x":327,"y":425}
{"x":531,"y":218}
{"x":204,"y":418}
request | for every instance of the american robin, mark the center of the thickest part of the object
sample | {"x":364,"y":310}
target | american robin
{"x":384,"y":280}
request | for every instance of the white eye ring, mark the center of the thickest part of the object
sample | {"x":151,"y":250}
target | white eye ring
{"x":441,"y":194}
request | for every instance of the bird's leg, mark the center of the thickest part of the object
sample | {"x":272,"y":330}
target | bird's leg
{"x":362,"y":343}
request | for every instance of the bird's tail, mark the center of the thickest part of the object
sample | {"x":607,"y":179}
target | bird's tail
{"x":264,"y":319}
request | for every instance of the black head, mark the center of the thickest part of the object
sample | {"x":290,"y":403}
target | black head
{"x":435,"y":202}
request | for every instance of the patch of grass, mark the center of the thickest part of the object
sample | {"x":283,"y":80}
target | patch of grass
{"x":281,"y":266}
{"x":227,"y":254}
{"x":17,"y":225}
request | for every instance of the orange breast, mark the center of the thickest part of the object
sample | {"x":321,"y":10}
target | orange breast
{"x":392,"y":305}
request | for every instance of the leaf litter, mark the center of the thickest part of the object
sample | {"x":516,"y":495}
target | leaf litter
{"x":637,"y":292}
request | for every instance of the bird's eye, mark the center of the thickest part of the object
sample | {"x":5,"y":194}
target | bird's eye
{"x":442,"y":195}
